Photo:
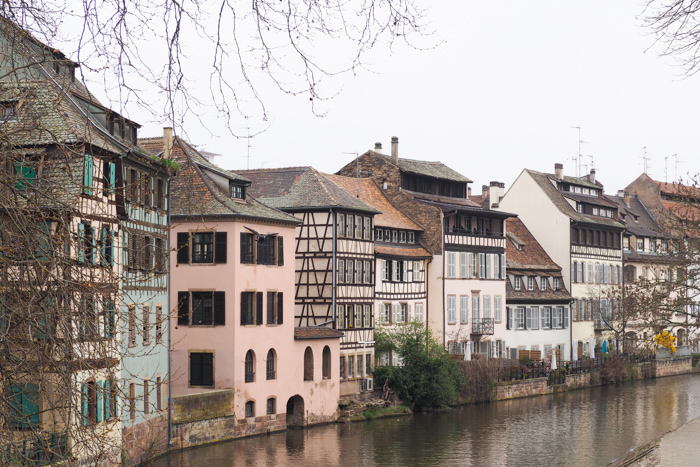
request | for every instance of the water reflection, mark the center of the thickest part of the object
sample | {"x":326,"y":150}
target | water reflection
{"x":588,"y":427}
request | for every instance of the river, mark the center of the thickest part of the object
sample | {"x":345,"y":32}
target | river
{"x":578,"y":428}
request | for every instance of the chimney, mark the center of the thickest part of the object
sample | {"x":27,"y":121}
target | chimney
{"x":395,"y":149}
{"x":592,"y":176}
{"x":627,"y":198}
{"x":167,"y":142}
{"x":559,"y":170}
{"x":469,"y":191}
{"x":495,"y":193}
{"x":378,"y":147}
{"x":484,"y":191}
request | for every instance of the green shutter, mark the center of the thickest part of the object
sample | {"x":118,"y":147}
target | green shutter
{"x":100,"y":395}
{"x":87,"y":175}
{"x":81,"y":242}
{"x":110,"y":249}
{"x":43,"y":249}
{"x":84,"y":400}
{"x":94,"y":245}
{"x":103,"y":246}
{"x":112,"y":176}
{"x":107,"y":398}
{"x":115,"y":400}
{"x":26,"y":174}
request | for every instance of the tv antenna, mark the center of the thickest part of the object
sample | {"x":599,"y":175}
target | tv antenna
{"x":646,"y":159}
{"x":666,"y":166}
{"x":577,"y":159}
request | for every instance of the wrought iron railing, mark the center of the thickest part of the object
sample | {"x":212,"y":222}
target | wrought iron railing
{"x":482,"y":325}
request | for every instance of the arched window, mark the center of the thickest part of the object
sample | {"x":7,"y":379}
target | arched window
{"x":308,"y":365}
{"x":250,"y":409}
{"x":250,"y":367}
{"x":271,"y":364}
{"x":271,"y":406}
{"x":326,"y":362}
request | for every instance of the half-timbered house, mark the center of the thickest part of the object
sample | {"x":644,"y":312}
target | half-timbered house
{"x":334,"y":260}
{"x":579,"y":228}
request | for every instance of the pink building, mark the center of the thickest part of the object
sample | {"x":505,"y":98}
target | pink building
{"x":232,"y":297}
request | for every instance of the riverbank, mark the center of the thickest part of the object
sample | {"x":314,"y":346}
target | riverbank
{"x":677,"y":447}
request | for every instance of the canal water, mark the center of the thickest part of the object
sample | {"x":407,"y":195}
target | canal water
{"x":588,"y":427}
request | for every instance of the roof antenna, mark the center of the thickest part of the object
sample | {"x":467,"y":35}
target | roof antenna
{"x":646,"y":160}
{"x":357,"y":170}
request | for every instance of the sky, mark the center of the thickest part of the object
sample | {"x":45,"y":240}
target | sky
{"x":502,"y":91}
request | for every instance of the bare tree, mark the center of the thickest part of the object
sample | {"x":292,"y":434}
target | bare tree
{"x":676,"y":26}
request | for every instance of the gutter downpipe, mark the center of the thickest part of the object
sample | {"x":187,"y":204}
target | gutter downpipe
{"x":170,"y":379}
{"x":442,"y":273}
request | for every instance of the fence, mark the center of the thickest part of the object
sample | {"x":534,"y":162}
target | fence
{"x":41,"y":450}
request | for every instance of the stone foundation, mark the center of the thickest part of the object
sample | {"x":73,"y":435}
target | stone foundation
{"x":673,"y":366}
{"x":524,"y":388}
{"x":145,"y":440}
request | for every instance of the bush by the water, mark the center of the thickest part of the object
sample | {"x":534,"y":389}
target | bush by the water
{"x":427,"y":377}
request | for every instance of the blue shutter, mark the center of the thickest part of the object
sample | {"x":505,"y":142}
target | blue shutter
{"x":103,"y":246}
{"x":87,"y":174}
{"x":107,"y":399}
{"x":84,"y":400}
{"x":81,"y":242}
{"x":100,"y":396}
{"x":110,"y":249}
{"x":112,"y":176}
{"x":94,"y":245}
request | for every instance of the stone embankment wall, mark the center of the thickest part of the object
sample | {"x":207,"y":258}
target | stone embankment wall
{"x":209,"y":417}
{"x":538,"y":386}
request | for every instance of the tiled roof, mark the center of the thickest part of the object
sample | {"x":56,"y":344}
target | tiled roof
{"x":532,"y":256}
{"x":372,"y":195}
{"x":545,"y":181}
{"x":320,"y":332}
{"x":433,"y":169}
{"x":448,"y":204}
{"x":405,"y":252}
{"x":300,"y":188}
{"x":195,"y":194}
{"x":638,"y":220}
{"x":537,"y":295}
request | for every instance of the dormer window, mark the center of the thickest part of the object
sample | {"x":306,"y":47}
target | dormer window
{"x":7,"y":111}
{"x":237,"y":191}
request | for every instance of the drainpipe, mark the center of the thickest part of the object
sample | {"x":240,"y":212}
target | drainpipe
{"x":427,"y":295}
{"x":170,"y":379}
{"x":571,"y":329}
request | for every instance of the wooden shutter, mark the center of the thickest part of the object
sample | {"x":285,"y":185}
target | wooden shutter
{"x":84,"y":400}
{"x":244,"y":307}
{"x":81,"y":242}
{"x":219,"y":308}
{"x":87,"y":175}
{"x":106,"y":395}
{"x":112,"y":176}
{"x":245,"y":247}
{"x":100,"y":407}
{"x":220,"y":247}
{"x":183,"y":308}
{"x":183,"y":247}
{"x":280,"y":251}
{"x":259,"y":308}
{"x":279,"y":308}
{"x":195,"y":369}
{"x":271,"y":308}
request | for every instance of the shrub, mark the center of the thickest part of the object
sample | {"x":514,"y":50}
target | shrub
{"x":613,"y":370}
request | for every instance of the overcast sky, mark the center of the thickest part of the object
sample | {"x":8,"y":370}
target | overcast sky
{"x":500,"y":94}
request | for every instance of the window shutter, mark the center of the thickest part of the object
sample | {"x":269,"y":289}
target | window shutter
{"x":87,"y":175}
{"x":115,"y":400}
{"x":509,"y":323}
{"x":106,"y":394}
{"x":244,"y":307}
{"x":195,"y":369}
{"x":183,"y":248}
{"x":219,"y":308}
{"x":220,"y":247}
{"x":84,"y":400}
{"x":100,"y":407}
{"x":245,"y":247}
{"x":81,"y":242}
{"x":207,"y":369}
{"x":103,"y":246}
{"x":259,"y":308}
{"x":183,"y":308}
{"x":271,"y":307}
{"x":280,"y":307}
{"x":112,"y":176}
{"x":280,"y":251}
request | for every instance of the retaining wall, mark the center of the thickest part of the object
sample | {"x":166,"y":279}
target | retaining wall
{"x":673,"y":366}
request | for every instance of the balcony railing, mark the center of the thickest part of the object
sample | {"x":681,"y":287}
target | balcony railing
{"x":482,"y":325}
{"x":270,"y":374}
{"x":476,"y":233}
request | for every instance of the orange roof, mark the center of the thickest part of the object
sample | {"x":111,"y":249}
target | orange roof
{"x":372,"y":195}
{"x":416,"y":252}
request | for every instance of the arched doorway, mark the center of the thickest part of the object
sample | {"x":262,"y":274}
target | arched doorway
{"x":680,"y":337}
{"x":630,"y":341}
{"x":295,"y":412}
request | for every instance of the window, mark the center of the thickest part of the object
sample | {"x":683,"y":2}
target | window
{"x":351,"y":366}
{"x":309,"y":364}
{"x":556,"y":283}
{"x":109,"y":317}
{"x":24,"y":406}
{"x":487,"y":306}
{"x":341,"y":225}
{"x":590,"y":273}
{"x":88,"y":171}
{"x":358,"y":271}
{"x":557,"y":318}
{"x":497,"y":303}
{"x":159,"y":324}
{"x":367,"y":230}
{"x":543,"y":283}
{"x":262,"y":249}
{"x":132,"y":324}
{"x":473,"y":268}
{"x":533,"y":318}
{"x":250,"y":366}
{"x":516,"y":282}
{"x":368,"y":273}
{"x":378,"y":235}
{"x":476,"y":309}
{"x":237,"y":191}
{"x":271,"y":406}
{"x":520,"y":317}
{"x":251,"y":308}
{"x":25,"y":174}
{"x":451,"y":264}
{"x":411,"y":237}
{"x":7,"y":111}
{"x":342,"y":367}
{"x":326,"y":362}
{"x":201,"y":369}
{"x":271,"y":364}
{"x":132,"y":401}
{"x":395,"y":236}
{"x":463,"y":309}
{"x":368,"y":364}
{"x":403,"y":315}
{"x":146,"y":396}
{"x":250,"y":409}
{"x":530,"y":283}
{"x":419,"y":312}
{"x":275,"y":307}
{"x":146,"y":322}
{"x":451,"y":309}
{"x":546,"y":318}
{"x":482,"y":265}
{"x":207,"y":248}
{"x":402,"y":238}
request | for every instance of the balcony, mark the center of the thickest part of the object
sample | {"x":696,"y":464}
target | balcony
{"x":482,"y":326}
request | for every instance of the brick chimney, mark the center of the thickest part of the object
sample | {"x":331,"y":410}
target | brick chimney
{"x":592,"y":176}
{"x":167,"y":142}
{"x":484,"y":191}
{"x":378,"y":147}
{"x":469,"y":191}
{"x":559,"y":170}
{"x":395,"y":149}
{"x":626,"y":195}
